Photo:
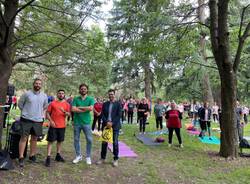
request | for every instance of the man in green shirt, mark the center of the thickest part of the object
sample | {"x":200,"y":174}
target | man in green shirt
{"x":82,"y":106}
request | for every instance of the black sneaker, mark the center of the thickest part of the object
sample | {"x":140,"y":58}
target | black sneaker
{"x":32,"y":159}
{"x":47,"y":161}
{"x":21,"y":162}
{"x":59,"y":158}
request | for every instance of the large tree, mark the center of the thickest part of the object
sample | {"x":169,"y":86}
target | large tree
{"x":228,"y":65}
{"x":22,"y":24}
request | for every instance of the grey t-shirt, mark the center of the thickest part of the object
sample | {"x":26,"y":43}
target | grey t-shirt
{"x":32,"y":105}
{"x":159,"y":110}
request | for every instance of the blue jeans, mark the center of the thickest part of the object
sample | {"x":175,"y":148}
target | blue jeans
{"x":88,"y":135}
{"x":115,"y":146}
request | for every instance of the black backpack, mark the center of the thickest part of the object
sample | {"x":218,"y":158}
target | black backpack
{"x":5,"y":161}
{"x":244,"y":143}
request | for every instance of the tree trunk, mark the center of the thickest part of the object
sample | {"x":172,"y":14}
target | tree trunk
{"x":206,"y":87}
{"x":221,"y":50}
{"x":147,"y":80}
{"x":5,"y":72}
{"x":229,"y":138}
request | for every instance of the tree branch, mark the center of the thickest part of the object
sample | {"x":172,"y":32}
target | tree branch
{"x":207,"y":66}
{"x":19,"y":10}
{"x":60,"y":43}
{"x":240,"y":47}
{"x":241,"y":39}
{"x":12,"y":18}
{"x":54,"y":10}
{"x":25,"y":60}
{"x":242,"y":19}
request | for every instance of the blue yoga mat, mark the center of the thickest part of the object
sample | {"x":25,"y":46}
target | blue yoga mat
{"x":159,"y":132}
{"x":147,"y":140}
{"x":206,"y":140}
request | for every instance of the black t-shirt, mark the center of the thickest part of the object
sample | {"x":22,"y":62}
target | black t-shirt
{"x":131,"y":107}
{"x":143,"y":107}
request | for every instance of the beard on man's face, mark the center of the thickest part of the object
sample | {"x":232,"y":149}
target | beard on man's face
{"x":37,"y":88}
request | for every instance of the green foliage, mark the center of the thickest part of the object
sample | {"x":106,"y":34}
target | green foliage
{"x":53,"y":34}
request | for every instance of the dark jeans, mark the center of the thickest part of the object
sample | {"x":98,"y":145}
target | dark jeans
{"x":123,"y":115}
{"x":130,"y":116}
{"x":240,"y":131}
{"x":115,"y":146}
{"x":5,"y":119}
{"x":159,"y":122}
{"x":215,"y":117}
{"x":245,"y":118}
{"x":97,"y":118}
{"x":142,"y":121}
{"x":170,"y":134}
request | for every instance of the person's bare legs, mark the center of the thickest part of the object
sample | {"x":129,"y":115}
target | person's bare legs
{"x":33,"y":145}
{"x":49,"y":147}
{"x":22,"y":145}
{"x":59,"y":147}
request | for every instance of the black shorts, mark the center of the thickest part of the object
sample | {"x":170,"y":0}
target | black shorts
{"x":30,"y":127}
{"x":56,"y":134}
{"x":205,"y":124}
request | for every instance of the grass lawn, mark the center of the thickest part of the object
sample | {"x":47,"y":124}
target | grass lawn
{"x":195,"y":163}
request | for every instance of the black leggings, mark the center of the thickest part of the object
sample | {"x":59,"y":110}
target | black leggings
{"x":159,"y":122}
{"x":142,"y":121}
{"x":215,"y":117}
{"x":170,"y":134}
{"x":97,"y":118}
{"x":130,"y":116}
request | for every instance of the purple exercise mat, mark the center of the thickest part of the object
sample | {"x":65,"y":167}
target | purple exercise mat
{"x":124,"y":150}
{"x":196,"y":132}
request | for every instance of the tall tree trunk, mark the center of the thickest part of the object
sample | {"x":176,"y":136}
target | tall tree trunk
{"x":229,"y":138}
{"x":5,"y":72}
{"x":227,"y":70}
{"x":206,"y":87}
{"x":147,"y":80}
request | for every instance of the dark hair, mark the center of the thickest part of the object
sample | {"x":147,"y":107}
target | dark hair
{"x":61,"y":90}
{"x":37,"y":79}
{"x":111,"y":90}
{"x":85,"y":85}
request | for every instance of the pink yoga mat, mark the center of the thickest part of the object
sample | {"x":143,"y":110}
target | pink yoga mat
{"x":196,"y":132}
{"x":124,"y":150}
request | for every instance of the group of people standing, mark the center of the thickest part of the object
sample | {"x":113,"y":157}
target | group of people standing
{"x":34,"y":106}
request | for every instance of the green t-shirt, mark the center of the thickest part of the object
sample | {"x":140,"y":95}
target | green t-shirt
{"x":83,"y":117}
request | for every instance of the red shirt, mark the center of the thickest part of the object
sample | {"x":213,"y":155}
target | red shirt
{"x":173,"y":119}
{"x":98,"y":107}
{"x":56,"y":114}
{"x":14,"y":99}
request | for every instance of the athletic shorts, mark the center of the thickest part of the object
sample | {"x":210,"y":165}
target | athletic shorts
{"x":56,"y":134}
{"x":205,"y":124}
{"x":29,"y":127}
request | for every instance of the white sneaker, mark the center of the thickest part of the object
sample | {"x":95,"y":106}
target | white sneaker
{"x":88,"y":161}
{"x":77,"y":159}
{"x":169,"y":145}
{"x":181,"y":146}
{"x":115,"y":163}
{"x":101,"y":161}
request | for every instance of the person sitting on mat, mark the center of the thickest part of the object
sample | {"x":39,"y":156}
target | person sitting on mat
{"x":173,"y":117}
{"x":205,"y":118}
